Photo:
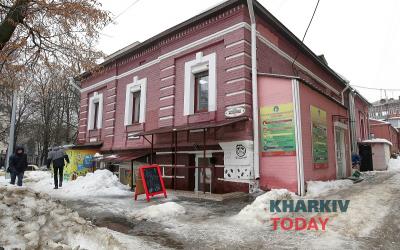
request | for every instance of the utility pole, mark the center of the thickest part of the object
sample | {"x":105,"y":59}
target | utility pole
{"x":12,"y":128}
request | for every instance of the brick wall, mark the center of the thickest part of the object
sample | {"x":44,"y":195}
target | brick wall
{"x":165,"y":79}
{"x":310,"y":97}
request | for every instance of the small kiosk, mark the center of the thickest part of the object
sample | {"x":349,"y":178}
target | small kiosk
{"x":375,"y":154}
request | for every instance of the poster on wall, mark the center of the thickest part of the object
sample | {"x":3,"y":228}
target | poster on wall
{"x":277,"y":130}
{"x":319,"y":137}
{"x":81,"y":162}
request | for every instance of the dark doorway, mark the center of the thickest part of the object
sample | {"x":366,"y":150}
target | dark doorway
{"x":366,"y":157}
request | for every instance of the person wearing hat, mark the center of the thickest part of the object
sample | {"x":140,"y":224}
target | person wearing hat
{"x":18,"y":165}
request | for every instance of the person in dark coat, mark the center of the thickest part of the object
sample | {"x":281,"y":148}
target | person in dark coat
{"x":58,"y":157}
{"x":18,"y":165}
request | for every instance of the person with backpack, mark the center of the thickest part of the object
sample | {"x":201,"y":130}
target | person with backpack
{"x":18,"y":164}
{"x":58,"y":157}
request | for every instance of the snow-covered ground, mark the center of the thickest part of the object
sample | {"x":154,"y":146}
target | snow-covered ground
{"x":31,"y":220}
{"x":184,"y":223}
{"x":257,"y":213}
{"x":394,"y":164}
{"x":99,"y":183}
{"x":316,"y":188}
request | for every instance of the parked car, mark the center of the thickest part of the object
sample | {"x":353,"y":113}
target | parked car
{"x":32,"y":168}
{"x":43,"y":168}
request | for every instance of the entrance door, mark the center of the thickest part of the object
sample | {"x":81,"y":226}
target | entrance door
{"x":366,"y":157}
{"x":340,"y":153}
{"x":199,"y":180}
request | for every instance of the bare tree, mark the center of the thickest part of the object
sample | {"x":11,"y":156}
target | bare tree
{"x":62,"y":31}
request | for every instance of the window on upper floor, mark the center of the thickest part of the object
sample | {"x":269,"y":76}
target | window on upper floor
{"x":201,"y":92}
{"x":135,"y":102}
{"x":135,"y":107}
{"x":95,"y":111}
{"x":200,"y":89}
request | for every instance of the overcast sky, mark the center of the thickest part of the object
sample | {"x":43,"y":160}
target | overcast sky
{"x":359,"y":38}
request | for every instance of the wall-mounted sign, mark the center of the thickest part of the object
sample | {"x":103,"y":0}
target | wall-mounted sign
{"x":277,"y":130}
{"x":241,"y":151}
{"x":237,"y":153}
{"x":235,"y":112}
{"x":319,"y":137}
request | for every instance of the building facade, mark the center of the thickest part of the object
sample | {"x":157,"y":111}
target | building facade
{"x":186,"y":97}
{"x":385,"y":109}
{"x":385,"y":130}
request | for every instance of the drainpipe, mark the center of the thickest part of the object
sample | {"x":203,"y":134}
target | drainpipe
{"x":73,"y":84}
{"x":352,"y":122}
{"x":256,"y":159}
{"x":344,"y":90}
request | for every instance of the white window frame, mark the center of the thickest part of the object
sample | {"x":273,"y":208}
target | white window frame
{"x":200,"y":64}
{"x":96,"y":98}
{"x":136,"y":86}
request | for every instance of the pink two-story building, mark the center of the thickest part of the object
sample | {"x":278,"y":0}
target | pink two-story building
{"x":221,"y":104}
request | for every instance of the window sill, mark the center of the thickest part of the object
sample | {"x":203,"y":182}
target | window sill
{"x":202,"y":117}
{"x":135,"y":127}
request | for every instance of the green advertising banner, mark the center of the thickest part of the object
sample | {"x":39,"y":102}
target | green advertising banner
{"x":277,"y":130}
{"x":319,"y":137}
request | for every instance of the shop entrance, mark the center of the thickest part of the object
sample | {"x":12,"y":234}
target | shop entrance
{"x":340,"y":148}
{"x":366,"y":157}
{"x":199,"y":180}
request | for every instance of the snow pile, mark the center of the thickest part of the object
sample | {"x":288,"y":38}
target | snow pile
{"x":394,"y":164}
{"x":36,"y":176}
{"x":30,"y":220}
{"x":258,"y":212}
{"x":315,"y":188}
{"x":159,"y":212}
{"x":101,"y":182}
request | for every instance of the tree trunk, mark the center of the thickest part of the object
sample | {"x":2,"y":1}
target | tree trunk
{"x":15,"y":16}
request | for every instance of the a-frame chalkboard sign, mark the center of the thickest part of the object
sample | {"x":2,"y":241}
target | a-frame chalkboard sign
{"x":151,"y":181}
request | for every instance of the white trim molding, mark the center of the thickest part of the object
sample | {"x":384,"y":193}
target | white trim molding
{"x":201,"y":63}
{"x":206,"y":39}
{"x":136,"y":86}
{"x":299,"y":138}
{"x":96,"y":98}
{"x":194,"y":44}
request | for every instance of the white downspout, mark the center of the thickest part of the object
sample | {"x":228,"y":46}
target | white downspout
{"x":256,"y":158}
{"x":352,"y":121}
{"x":344,"y":90}
{"x":71,"y":81}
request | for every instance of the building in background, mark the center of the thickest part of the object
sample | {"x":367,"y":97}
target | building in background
{"x":385,"y":130}
{"x":184,"y":99}
{"x":395,"y":121}
{"x":385,"y":109}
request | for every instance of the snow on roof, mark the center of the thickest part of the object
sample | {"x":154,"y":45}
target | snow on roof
{"x":378,"y":140}
{"x":380,"y":121}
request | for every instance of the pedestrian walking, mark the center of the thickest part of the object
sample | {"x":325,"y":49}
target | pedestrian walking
{"x":18,"y":165}
{"x":58,"y":157}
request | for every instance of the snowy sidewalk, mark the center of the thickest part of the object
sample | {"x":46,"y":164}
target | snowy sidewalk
{"x":185,"y":223}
